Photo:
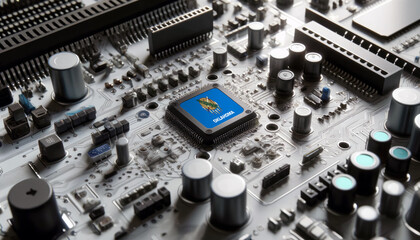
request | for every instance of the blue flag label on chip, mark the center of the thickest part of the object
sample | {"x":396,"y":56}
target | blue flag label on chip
{"x":212,"y":108}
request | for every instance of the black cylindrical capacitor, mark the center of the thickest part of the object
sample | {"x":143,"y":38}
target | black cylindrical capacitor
{"x":412,"y":218}
{"x":404,"y":107}
{"x":6,"y":96}
{"x":297,"y":53}
{"x":379,"y":142}
{"x":398,"y":162}
{"x":34,"y":210}
{"x":197,"y":175}
{"x":414,"y":144}
{"x":342,"y":193}
{"x":366,"y":220}
{"x":312,"y":67}
{"x":391,"y":197}
{"x":219,"y":58}
{"x":284,"y":83}
{"x":364,"y":166}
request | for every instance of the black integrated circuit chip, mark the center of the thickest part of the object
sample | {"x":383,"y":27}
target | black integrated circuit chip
{"x":211,"y":115}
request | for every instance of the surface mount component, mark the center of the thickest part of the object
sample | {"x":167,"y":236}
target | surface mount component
{"x":211,"y":115}
{"x":180,"y":32}
{"x":389,"y":17}
{"x":370,"y":68}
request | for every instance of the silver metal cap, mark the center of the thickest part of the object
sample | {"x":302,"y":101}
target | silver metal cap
{"x":67,"y":77}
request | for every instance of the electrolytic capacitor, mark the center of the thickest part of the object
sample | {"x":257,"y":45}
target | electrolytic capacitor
{"x":123,"y":152}
{"x":379,"y":142}
{"x":391,"y":197}
{"x":278,"y":61}
{"x":364,"y":166}
{"x":412,"y":216}
{"x":366,"y":220}
{"x":284,"y":83}
{"x":219,"y":58}
{"x":297,"y":53}
{"x":34,"y":209}
{"x":228,"y":202}
{"x":197,"y":175}
{"x":302,"y":119}
{"x":255,"y":35}
{"x":398,"y":163}
{"x":414,"y":144}
{"x":342,"y":194}
{"x":405,"y":105}
{"x":312,"y":67}
{"x":67,"y":77}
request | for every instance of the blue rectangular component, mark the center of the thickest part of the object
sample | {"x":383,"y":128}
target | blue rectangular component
{"x":212,"y":108}
{"x":100,"y":152}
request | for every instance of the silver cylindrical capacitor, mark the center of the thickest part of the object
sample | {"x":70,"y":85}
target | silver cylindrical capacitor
{"x":312,"y":67}
{"x":414,"y":144}
{"x":405,"y":105}
{"x":197,"y":175}
{"x":67,"y":77}
{"x":123,"y":152}
{"x":391,"y":197}
{"x":297,"y":53}
{"x":219,"y":58}
{"x":255,"y":35}
{"x":366,"y":220}
{"x":279,"y":60}
{"x":228,"y":202}
{"x":302,"y":120}
{"x":284,"y":83}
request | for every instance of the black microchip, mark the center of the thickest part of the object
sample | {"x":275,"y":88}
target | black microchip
{"x":211,"y":115}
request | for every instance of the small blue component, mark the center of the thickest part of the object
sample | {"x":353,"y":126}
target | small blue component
{"x":100,"y":152}
{"x":325,"y":97}
{"x":68,"y":114}
{"x":143,"y":114}
{"x":26,"y":104}
{"x":261,"y":60}
{"x":416,"y":59}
